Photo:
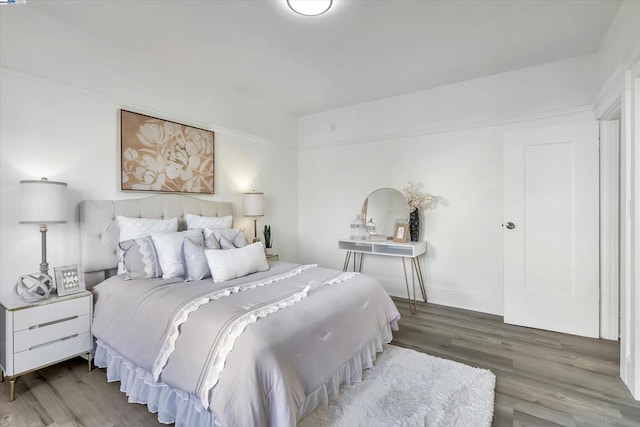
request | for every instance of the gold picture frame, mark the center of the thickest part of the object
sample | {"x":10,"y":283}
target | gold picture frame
{"x":401,"y":232}
{"x":164,"y":156}
{"x":69,"y":280}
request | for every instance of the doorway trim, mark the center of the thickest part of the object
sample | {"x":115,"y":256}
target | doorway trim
{"x":609,"y":226}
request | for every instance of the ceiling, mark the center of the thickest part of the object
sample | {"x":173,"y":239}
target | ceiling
{"x":361,"y":50}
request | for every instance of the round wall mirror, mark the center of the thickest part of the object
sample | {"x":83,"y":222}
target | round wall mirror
{"x":385,"y":207}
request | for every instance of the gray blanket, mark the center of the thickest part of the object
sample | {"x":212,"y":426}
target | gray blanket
{"x":247,"y":371}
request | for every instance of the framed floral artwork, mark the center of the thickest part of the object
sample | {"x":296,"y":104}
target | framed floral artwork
{"x":165,"y":156}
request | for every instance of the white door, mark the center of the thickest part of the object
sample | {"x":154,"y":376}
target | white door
{"x":551,"y":254}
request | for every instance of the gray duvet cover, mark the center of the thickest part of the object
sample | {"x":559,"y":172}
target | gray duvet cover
{"x":251,"y":349}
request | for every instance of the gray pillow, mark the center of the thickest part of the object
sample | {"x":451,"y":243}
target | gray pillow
{"x":240,"y":240}
{"x":140,"y":259}
{"x":195,"y":262}
{"x":226,"y":243}
{"x":210,"y":239}
{"x":234,"y":235}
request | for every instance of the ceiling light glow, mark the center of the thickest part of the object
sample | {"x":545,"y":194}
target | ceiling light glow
{"x":310,"y":7}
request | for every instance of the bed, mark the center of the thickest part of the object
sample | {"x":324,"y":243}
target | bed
{"x":265,"y":348}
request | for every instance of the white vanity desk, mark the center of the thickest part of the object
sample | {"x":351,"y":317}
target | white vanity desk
{"x":411,"y":250}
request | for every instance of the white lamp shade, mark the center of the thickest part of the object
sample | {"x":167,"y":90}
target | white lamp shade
{"x":253,"y":204}
{"x":43,"y":202}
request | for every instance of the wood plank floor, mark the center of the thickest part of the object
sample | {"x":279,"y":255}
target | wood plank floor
{"x":543,"y":378}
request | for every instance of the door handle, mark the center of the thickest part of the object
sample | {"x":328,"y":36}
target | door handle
{"x":510,"y":225}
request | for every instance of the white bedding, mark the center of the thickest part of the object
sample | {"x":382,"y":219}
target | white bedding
{"x":312,"y":323}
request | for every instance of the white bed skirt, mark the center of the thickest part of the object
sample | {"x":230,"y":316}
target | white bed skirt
{"x":184,"y":409}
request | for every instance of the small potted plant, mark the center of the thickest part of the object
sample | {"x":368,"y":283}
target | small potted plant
{"x":268,"y":243}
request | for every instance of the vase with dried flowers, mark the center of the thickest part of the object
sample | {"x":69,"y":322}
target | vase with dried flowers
{"x":416,"y":199}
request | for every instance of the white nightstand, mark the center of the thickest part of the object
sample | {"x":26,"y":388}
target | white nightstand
{"x":35,"y":335}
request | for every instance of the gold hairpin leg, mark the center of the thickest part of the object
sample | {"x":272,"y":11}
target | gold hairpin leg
{"x":347,"y":257}
{"x":418,"y":268}
{"x":413,"y":306}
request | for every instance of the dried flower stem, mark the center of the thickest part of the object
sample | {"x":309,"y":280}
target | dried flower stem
{"x":416,"y":199}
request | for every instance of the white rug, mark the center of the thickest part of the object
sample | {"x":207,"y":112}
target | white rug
{"x":408,"y":388}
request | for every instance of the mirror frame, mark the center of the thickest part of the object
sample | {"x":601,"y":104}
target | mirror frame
{"x":365,"y":207}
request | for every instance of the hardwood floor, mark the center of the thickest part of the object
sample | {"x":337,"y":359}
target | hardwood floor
{"x":543,"y":378}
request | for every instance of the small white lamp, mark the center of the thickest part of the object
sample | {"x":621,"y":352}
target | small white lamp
{"x":43,"y":202}
{"x":254,"y":207}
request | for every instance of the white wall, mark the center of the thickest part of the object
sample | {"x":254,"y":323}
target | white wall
{"x":449,"y":139}
{"x":60,"y":95}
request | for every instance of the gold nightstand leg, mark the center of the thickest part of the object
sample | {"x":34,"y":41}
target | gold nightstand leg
{"x":89,"y":360}
{"x":12,"y":388}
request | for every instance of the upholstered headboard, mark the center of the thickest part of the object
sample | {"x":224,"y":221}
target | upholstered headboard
{"x":99,"y":232}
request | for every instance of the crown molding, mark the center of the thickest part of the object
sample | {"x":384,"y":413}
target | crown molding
{"x":606,"y":103}
{"x":456,"y":126}
{"x":127,"y":104}
{"x":633,"y":58}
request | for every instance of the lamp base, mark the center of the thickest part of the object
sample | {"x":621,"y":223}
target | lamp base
{"x":44,"y":265}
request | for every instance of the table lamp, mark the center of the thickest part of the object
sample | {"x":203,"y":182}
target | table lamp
{"x":254,"y":207}
{"x":43,"y":202}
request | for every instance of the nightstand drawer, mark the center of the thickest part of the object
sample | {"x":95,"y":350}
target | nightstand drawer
{"x":51,"y":352}
{"x":39,"y":315}
{"x":68,"y":326}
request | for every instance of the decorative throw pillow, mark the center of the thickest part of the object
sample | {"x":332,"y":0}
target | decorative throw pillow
{"x":234,"y":235}
{"x":226,"y":243}
{"x":169,"y":249}
{"x":210,"y":239}
{"x":197,"y":221}
{"x":140,"y":259}
{"x":227,"y":265}
{"x":195,"y":262}
{"x":133,"y":228}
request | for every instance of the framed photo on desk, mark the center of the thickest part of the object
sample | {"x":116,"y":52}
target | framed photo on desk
{"x":400,"y":232}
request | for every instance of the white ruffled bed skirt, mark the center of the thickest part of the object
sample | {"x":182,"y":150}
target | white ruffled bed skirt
{"x":184,"y":409}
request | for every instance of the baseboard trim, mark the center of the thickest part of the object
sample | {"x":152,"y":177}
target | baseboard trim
{"x":469,"y":300}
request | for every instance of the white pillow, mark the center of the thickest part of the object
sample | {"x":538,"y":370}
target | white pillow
{"x":169,"y":249}
{"x":233,"y":263}
{"x":134,"y":228}
{"x":197,"y":221}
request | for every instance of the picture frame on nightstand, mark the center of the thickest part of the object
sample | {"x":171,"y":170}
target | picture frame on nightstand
{"x":69,"y":280}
